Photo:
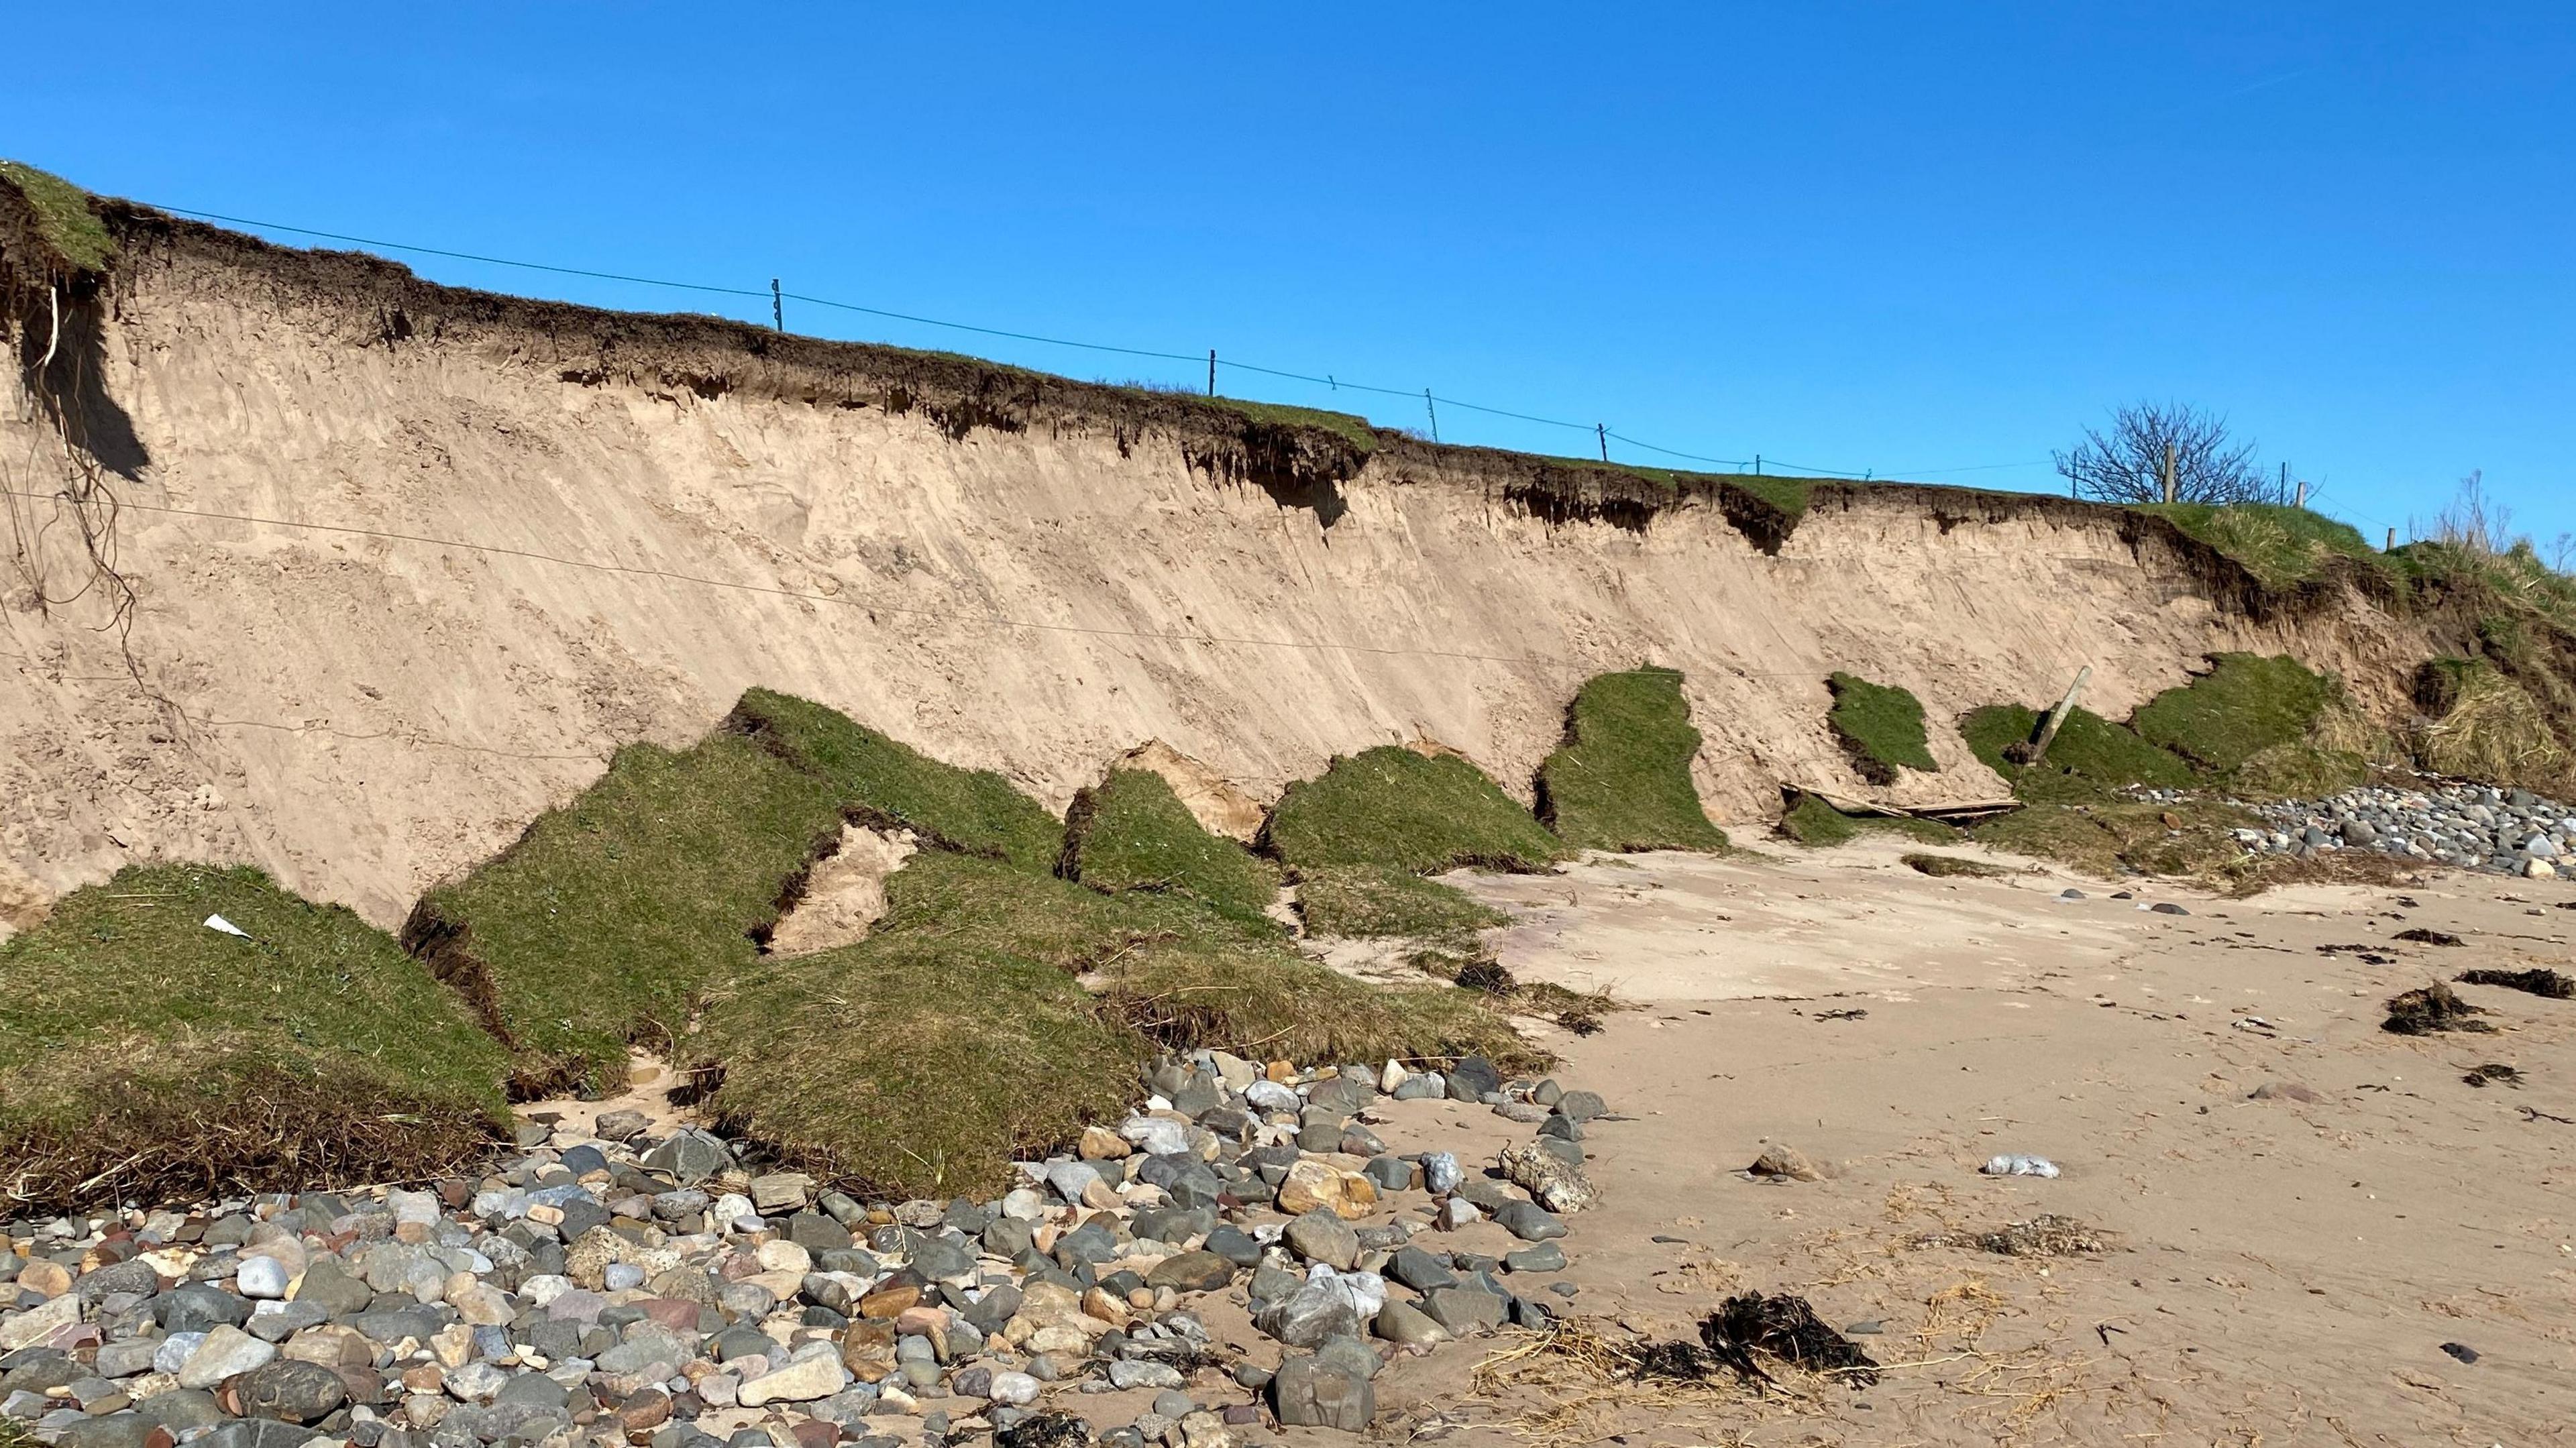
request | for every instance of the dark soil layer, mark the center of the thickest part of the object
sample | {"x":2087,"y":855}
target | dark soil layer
{"x":1623,"y":780}
{"x":147,"y":1056}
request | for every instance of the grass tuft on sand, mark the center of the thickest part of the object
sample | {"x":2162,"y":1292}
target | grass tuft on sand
{"x":1622,"y":782}
{"x":601,"y":925}
{"x":144,"y":1055}
{"x":887,"y":784}
{"x":1880,"y":727}
{"x":61,"y":214}
{"x":1131,"y":832}
{"x":1391,"y":806}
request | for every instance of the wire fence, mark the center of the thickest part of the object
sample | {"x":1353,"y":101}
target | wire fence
{"x":1602,"y":434}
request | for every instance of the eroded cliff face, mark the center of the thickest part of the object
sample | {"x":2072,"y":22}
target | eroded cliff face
{"x":409,"y":563}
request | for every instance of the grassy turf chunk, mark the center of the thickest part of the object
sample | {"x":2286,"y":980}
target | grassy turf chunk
{"x":914,"y":1066}
{"x":1391,"y":806}
{"x":2245,"y":705}
{"x":1623,"y":780}
{"x":1373,"y":901}
{"x":609,"y":916}
{"x":144,"y":1054}
{"x":62,"y":216}
{"x":959,"y":1035}
{"x":1811,"y":821}
{"x":1132,"y":833}
{"x":1880,"y":726}
{"x":887,"y":784}
{"x":2089,"y":751}
{"x":2298,"y":771}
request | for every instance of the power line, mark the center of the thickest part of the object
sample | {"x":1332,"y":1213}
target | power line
{"x":1328,"y":380}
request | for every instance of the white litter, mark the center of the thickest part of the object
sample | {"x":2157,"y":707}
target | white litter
{"x":2038,"y":1166}
{"x":217,"y":922}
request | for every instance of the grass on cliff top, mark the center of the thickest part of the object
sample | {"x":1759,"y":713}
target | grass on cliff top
{"x":1352,"y":429}
{"x":1880,"y":726}
{"x":1623,"y":780}
{"x":1131,"y":832}
{"x":1391,"y":806}
{"x":1811,"y":821}
{"x":888,"y":784}
{"x":2243,"y":706}
{"x":144,"y":1055}
{"x":959,"y":1035}
{"x":609,"y":916}
{"x":2281,"y":546}
{"x":1375,"y":902}
{"x":63,"y":217}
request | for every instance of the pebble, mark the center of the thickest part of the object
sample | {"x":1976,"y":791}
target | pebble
{"x":650,"y":1281}
{"x":2475,"y":827}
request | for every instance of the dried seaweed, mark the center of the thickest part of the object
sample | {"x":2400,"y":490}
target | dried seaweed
{"x":1784,"y":1327}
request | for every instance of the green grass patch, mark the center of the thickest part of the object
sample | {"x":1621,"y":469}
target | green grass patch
{"x":2298,"y":771}
{"x":1391,"y":806}
{"x":146,"y":1056}
{"x":1131,"y":832}
{"x":2243,"y":706}
{"x":1623,"y":780}
{"x":610,"y":915}
{"x":1789,"y":495}
{"x":1376,"y":902}
{"x":2090,"y":756}
{"x":62,"y":216}
{"x":887,"y":784}
{"x":2281,"y":546}
{"x":1880,"y":726}
{"x":1813,"y":822}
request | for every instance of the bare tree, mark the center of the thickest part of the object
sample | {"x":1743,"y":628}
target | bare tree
{"x":2128,"y":465}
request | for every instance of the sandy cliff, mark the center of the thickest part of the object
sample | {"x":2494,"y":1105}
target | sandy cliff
{"x":410,"y":562}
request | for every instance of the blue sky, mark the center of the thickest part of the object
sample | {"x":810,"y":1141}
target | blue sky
{"x":1924,"y":240}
